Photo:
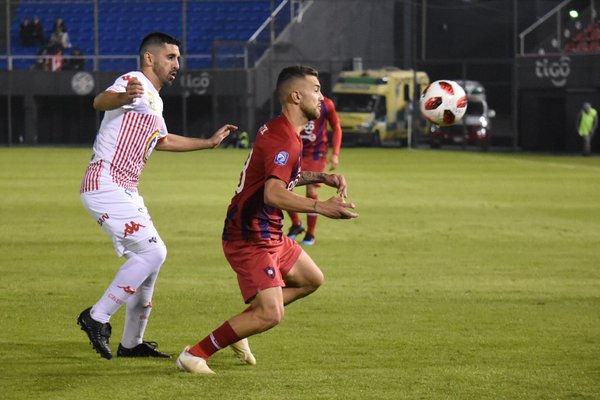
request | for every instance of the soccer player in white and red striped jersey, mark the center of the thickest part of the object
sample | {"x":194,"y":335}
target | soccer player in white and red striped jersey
{"x":132,"y":127}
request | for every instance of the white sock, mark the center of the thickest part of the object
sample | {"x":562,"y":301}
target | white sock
{"x":139,"y":307}
{"x":128,"y":279}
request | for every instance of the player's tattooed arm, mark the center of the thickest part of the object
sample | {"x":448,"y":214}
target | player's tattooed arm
{"x":336,"y":181}
{"x":308,"y":177}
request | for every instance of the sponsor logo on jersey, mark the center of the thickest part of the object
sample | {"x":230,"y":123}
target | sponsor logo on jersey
{"x":103,"y":218}
{"x":281,"y":158}
{"x":270,"y":271}
{"x":132,"y":228}
{"x":309,"y":133}
{"x":153,"y":240}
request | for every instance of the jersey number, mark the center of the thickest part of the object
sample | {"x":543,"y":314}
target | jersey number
{"x":243,"y":174}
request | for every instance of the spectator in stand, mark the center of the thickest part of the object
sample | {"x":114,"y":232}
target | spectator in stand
{"x":38,"y":32}
{"x":59,"y":23}
{"x":26,"y":33}
{"x":41,"y":62}
{"x":76,"y":62}
{"x":56,"y":60}
{"x":59,"y":38}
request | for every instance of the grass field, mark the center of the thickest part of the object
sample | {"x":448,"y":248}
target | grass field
{"x":467,"y":276}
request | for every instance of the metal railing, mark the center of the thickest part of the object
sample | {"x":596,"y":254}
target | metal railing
{"x":550,"y":31}
{"x":223,"y":53}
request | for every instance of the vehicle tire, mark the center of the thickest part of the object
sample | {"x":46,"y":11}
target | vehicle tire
{"x":376,"y":139}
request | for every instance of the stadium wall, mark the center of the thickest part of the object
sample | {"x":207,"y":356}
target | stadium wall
{"x":38,"y":107}
{"x":328,"y":36}
{"x":551,"y":91}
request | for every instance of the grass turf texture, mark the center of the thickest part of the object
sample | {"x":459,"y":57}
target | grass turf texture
{"x":467,"y":276}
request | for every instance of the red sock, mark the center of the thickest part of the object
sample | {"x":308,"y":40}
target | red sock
{"x":295,"y":218}
{"x":220,"y":338}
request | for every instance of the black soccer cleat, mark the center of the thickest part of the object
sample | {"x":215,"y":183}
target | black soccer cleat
{"x":295,"y":230}
{"x":144,"y":349}
{"x":97,"y":332}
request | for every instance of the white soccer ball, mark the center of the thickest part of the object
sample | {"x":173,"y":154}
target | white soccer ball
{"x":443,"y":102}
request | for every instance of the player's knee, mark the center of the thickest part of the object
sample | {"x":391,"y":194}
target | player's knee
{"x":315,"y":281}
{"x":155,"y":256}
{"x":270,"y":317}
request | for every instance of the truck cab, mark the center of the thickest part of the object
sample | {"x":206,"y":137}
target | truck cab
{"x":374,"y":106}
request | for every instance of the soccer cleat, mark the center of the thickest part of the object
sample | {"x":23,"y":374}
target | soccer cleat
{"x":97,"y":332}
{"x":295,"y":230}
{"x":242,"y":351}
{"x":144,"y":349}
{"x":187,"y":362}
{"x":309,"y":240}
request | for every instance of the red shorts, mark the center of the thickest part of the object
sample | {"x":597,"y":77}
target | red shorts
{"x":261,"y":264}
{"x":310,"y":164}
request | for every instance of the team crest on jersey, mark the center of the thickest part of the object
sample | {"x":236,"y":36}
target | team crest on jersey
{"x":281,"y":158}
{"x":270,"y":271}
{"x":151,"y":101}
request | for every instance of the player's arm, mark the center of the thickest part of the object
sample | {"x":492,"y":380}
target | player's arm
{"x":109,"y":100}
{"x":173,"y":142}
{"x":336,"y":135}
{"x":276,"y":195}
{"x":336,"y":181}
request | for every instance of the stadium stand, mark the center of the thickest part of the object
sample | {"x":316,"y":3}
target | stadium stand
{"x":120,"y":28}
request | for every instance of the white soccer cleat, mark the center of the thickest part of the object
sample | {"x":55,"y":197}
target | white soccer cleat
{"x":187,"y":362}
{"x":243,"y":352}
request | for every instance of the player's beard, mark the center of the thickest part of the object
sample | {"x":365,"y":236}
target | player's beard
{"x":169,"y":82}
{"x":312,"y":113}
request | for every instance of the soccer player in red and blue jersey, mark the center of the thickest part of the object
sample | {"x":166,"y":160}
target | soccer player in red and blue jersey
{"x":314,"y":158}
{"x":272,"y":269}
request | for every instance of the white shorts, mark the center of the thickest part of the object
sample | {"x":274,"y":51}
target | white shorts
{"x":124,"y":217}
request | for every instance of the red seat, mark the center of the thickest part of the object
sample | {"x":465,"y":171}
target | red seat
{"x":569,"y":47}
{"x":594,"y":46}
{"x":581,"y":36}
{"x":582,"y":47}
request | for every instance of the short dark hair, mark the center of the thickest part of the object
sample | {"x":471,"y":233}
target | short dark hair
{"x":295,"y":71}
{"x":156,"y":38}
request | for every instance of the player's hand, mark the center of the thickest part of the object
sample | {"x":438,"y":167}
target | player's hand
{"x":336,"y":207}
{"x":333,"y":162}
{"x":134,"y":90}
{"x":221,"y":134}
{"x":338,"y":182}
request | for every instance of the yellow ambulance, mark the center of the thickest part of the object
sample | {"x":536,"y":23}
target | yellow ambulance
{"x":374,"y":106}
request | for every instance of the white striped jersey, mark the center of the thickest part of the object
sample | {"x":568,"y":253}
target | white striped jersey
{"x":126,"y":138}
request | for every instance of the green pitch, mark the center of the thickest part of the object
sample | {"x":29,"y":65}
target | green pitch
{"x":467,"y":276}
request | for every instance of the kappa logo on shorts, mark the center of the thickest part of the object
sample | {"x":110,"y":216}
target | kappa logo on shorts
{"x":132,"y":228}
{"x":127,"y":289}
{"x":281,"y":158}
{"x":270,"y":271}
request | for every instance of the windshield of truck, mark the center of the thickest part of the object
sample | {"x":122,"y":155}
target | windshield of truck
{"x":353,"y":102}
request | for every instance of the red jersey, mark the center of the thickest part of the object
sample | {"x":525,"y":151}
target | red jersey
{"x":276,"y":153}
{"x":314,"y":136}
